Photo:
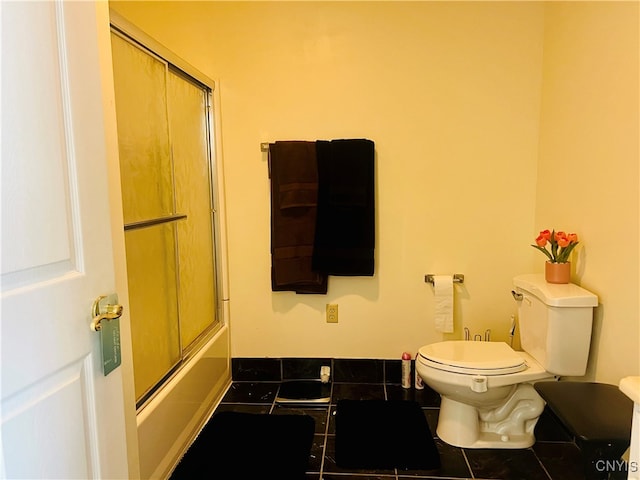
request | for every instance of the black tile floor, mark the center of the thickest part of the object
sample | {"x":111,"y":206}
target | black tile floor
{"x":553,"y":457}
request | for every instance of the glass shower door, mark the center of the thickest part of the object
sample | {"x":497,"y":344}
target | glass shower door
{"x":163,"y":135}
{"x":188,"y":103}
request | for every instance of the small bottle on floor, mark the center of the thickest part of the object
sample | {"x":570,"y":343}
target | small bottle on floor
{"x":406,"y":370}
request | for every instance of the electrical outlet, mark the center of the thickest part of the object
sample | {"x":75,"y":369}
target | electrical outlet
{"x":332,"y":313}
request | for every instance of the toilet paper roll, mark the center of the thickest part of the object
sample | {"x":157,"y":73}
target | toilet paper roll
{"x":443,"y":290}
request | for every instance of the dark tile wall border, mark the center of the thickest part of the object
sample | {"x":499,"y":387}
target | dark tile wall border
{"x":343,"y":370}
{"x":303,"y":368}
{"x":256,"y":369}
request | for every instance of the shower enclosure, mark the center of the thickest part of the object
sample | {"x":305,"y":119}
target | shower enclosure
{"x":172,"y":246}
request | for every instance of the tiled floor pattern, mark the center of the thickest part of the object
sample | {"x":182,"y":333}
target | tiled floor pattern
{"x":553,"y":457}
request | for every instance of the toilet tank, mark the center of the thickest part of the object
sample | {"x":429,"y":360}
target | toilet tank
{"x":555,"y":323}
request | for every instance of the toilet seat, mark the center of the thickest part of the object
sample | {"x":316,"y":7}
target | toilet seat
{"x":472,"y":358}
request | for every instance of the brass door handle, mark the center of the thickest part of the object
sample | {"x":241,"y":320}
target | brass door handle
{"x":104,"y":312}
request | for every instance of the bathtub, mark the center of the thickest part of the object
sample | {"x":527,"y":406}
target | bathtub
{"x":170,"y":421}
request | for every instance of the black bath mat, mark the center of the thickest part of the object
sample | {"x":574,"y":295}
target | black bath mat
{"x":235,"y":445}
{"x":379,"y":434}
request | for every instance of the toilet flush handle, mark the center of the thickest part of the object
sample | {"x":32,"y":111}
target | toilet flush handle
{"x":517,"y":296}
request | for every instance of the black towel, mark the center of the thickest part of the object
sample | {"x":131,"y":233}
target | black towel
{"x":294,"y":187}
{"x":345,"y":226}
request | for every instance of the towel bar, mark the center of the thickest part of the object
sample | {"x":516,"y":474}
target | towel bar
{"x":457,"y":278}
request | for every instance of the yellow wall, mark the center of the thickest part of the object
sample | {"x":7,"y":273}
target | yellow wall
{"x":588,"y":167}
{"x":451,"y":93}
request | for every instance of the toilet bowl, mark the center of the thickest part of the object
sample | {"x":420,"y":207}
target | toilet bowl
{"x":487,"y":396}
{"x":487,"y":400}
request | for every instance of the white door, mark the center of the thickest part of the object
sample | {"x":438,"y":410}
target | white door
{"x":61,"y":417}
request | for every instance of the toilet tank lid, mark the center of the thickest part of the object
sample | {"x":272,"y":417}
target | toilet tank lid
{"x":555,"y":294}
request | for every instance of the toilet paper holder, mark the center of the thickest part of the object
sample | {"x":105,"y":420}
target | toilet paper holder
{"x":457,"y":278}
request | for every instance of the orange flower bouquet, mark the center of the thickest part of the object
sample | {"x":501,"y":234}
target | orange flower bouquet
{"x":561,"y":244}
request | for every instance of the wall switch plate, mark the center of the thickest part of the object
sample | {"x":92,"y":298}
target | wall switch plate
{"x":332,"y":313}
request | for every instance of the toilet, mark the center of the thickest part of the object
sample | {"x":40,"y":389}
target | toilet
{"x":486,"y":388}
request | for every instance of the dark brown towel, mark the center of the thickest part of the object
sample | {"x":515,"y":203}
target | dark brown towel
{"x":345,"y":228}
{"x":294,"y":192}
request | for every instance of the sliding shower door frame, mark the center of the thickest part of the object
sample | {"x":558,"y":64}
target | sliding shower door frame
{"x":130,"y":33}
